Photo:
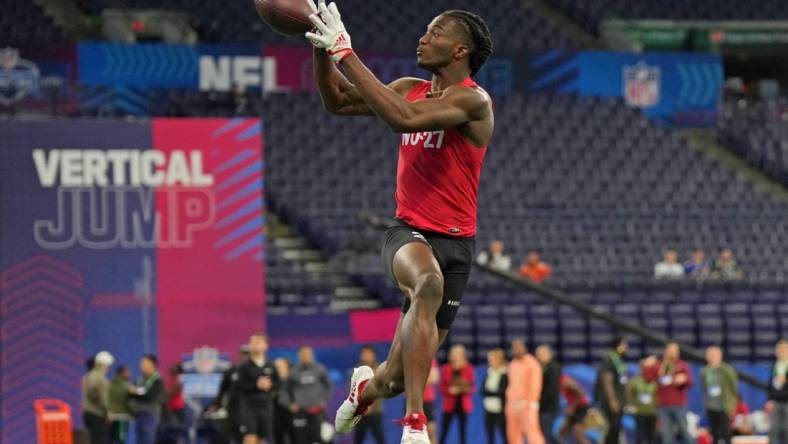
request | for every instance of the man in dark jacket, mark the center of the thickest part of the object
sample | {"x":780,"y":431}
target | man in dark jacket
{"x":229,"y":398}
{"x":257,"y":385}
{"x":373,"y":420}
{"x":777,"y":406}
{"x":147,"y":399}
{"x":610,"y":389}
{"x":550,"y":400}
{"x":494,"y":394}
{"x":309,"y":389}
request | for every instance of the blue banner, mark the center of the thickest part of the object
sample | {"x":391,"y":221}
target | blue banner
{"x":674,"y":88}
{"x":220,"y":67}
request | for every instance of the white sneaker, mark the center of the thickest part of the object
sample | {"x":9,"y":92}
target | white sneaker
{"x":350,"y":412}
{"x":415,"y":431}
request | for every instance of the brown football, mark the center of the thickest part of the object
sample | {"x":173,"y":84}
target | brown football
{"x":288,"y":17}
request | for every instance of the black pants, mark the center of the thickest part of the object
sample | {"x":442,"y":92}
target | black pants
{"x":283,"y":426}
{"x":372,"y":422}
{"x":97,"y":426}
{"x":307,"y":427}
{"x":613,"y":426}
{"x":646,"y":429}
{"x":447,"y":420}
{"x":491,"y":421}
{"x":720,"y":425}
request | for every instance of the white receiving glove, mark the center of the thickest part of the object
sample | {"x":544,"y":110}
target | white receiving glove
{"x":332,"y":35}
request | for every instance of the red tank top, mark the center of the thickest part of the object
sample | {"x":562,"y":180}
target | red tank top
{"x":438,"y":177}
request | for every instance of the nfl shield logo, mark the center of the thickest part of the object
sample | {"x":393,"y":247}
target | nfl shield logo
{"x":206,"y":359}
{"x":642,"y":84}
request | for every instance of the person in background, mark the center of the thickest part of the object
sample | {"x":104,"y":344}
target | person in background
{"x":720,"y":393}
{"x":176,"y":403}
{"x":674,"y":380}
{"x":257,"y":385}
{"x":373,"y":420}
{"x":697,"y":267}
{"x":494,"y":394}
{"x":534,"y":269}
{"x":522,"y":397}
{"x":577,"y":407}
{"x":429,"y":400}
{"x":228,"y":396}
{"x":118,"y":405}
{"x":95,"y":394}
{"x":284,"y":433}
{"x":147,"y":397}
{"x":641,"y":396}
{"x":550,"y":398}
{"x":610,"y":388}
{"x":777,"y":405}
{"x":494,"y":258}
{"x":740,"y":422}
{"x":726,"y":267}
{"x":309,"y":389}
{"x":669,"y":268}
{"x":457,"y":384}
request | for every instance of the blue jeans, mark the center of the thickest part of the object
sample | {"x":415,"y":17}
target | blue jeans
{"x":673,"y":421}
{"x":547,"y":421}
{"x":146,"y":425}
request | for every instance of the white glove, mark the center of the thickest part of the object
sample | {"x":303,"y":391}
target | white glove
{"x":332,"y":35}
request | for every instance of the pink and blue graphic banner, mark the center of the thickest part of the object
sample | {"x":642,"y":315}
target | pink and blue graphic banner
{"x":128,"y":237}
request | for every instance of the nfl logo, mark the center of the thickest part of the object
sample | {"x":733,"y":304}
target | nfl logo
{"x":641,"y":84}
{"x":9,"y":57}
{"x":206,"y":359}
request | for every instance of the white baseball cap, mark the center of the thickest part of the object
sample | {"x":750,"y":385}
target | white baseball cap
{"x":104,"y":358}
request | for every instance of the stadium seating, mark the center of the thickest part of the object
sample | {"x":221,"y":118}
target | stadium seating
{"x":591,"y":13}
{"x":17,"y":20}
{"x":758,"y":132}
{"x":379,"y":24}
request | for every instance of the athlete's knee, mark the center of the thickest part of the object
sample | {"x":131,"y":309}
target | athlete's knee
{"x":429,"y":287}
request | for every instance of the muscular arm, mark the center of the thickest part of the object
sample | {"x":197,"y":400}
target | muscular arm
{"x":339,"y":95}
{"x":455,"y":107}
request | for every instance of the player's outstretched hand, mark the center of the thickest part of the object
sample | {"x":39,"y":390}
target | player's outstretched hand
{"x":331,"y":34}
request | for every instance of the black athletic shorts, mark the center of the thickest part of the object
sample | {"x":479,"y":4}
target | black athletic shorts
{"x":454,"y":256}
{"x":255,"y":421}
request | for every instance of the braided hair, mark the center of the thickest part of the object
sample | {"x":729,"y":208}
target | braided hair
{"x":479,"y":34}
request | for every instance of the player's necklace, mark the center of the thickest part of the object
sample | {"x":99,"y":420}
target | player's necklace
{"x":433,"y":94}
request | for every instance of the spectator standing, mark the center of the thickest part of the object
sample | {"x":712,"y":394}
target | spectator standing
{"x":534,"y":269}
{"x":674,"y":380}
{"x":720,"y":393}
{"x":697,"y":267}
{"x":95,"y":394}
{"x":257,"y":385}
{"x":577,"y":407}
{"x":176,"y":403}
{"x":522,"y":397}
{"x":669,"y":268}
{"x":457,"y":384}
{"x":229,"y":396}
{"x":309,"y":389}
{"x":610,"y":388}
{"x":429,"y":400}
{"x":494,"y":258}
{"x":147,"y":398}
{"x":283,"y":419}
{"x":550,"y":398}
{"x":641,"y":395}
{"x":726,"y":267}
{"x":373,"y":420}
{"x":119,"y":408}
{"x":494,"y":394}
{"x":777,"y":405}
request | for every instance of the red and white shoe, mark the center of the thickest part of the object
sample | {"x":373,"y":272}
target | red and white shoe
{"x":351,"y":411}
{"x":415,"y":431}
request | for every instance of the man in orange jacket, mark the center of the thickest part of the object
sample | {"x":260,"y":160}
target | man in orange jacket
{"x":522,"y":397}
